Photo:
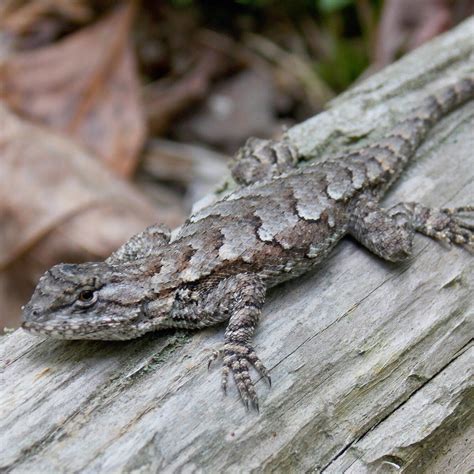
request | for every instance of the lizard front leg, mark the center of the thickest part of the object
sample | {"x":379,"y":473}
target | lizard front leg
{"x":389,"y":233}
{"x":243,"y":298}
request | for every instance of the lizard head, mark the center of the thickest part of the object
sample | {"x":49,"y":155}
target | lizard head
{"x":87,"y":301}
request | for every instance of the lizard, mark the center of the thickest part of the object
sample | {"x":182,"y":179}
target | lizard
{"x":281,"y":221}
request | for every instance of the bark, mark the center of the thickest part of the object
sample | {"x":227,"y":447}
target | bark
{"x":371,"y":362}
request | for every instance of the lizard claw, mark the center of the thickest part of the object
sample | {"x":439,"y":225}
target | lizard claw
{"x":237,"y":358}
{"x":446,"y":225}
{"x":216,"y":353}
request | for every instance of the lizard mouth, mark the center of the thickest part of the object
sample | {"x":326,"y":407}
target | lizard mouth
{"x":59,"y":331}
{"x":106,"y":331}
{"x":71,"y":327}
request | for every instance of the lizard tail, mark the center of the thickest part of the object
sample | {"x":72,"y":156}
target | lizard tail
{"x":432,"y":109}
{"x":441,"y":103}
{"x":395,"y":150}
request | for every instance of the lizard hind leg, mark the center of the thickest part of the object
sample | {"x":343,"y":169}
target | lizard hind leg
{"x":260,"y":160}
{"x":446,"y":224}
{"x":244,"y":297}
{"x":389,"y":233}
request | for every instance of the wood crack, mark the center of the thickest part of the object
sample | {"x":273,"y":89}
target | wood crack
{"x":410,"y":395}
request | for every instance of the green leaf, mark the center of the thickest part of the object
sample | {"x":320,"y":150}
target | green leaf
{"x":333,"y":5}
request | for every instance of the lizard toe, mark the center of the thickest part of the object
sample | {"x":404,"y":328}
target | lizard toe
{"x":456,"y":229}
{"x":237,"y":359}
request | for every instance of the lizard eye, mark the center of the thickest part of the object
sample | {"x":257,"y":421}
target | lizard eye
{"x":87,"y":297}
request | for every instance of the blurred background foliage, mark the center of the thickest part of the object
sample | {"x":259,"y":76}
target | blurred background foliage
{"x":340,"y":43}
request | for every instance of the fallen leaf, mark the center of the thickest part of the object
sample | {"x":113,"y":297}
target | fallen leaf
{"x":19,"y":17}
{"x":57,"y":203}
{"x":194,"y":168}
{"x":85,"y":86}
{"x":165,"y":101}
{"x":406,"y":25}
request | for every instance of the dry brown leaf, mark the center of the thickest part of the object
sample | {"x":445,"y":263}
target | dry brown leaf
{"x":57,"y":203}
{"x":405,"y":25}
{"x":86,"y":86}
{"x":194,"y":168}
{"x":20,"y":16}
{"x":164,"y":101}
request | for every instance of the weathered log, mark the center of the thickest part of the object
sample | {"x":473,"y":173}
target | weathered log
{"x":371,"y":362}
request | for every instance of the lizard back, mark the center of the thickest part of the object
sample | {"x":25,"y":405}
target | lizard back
{"x":282,"y":227}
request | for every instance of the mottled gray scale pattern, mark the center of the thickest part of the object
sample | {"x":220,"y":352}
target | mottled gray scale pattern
{"x":309,"y":191}
{"x":260,"y":160}
{"x":142,"y":245}
{"x":206,"y":254}
{"x":396,"y":144}
{"x":339,"y":181}
{"x":277,"y":215}
{"x":331,"y":177}
{"x":239,"y":241}
{"x":172,"y":261}
{"x":373,"y":169}
{"x":302,"y":236}
{"x":316,"y":250}
{"x":385,"y":157}
{"x":357,"y":170}
{"x":410,"y":131}
{"x":220,"y":263}
{"x":221,"y":208}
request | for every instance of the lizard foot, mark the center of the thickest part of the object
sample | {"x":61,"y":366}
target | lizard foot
{"x":237,"y":360}
{"x":446,"y":225}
